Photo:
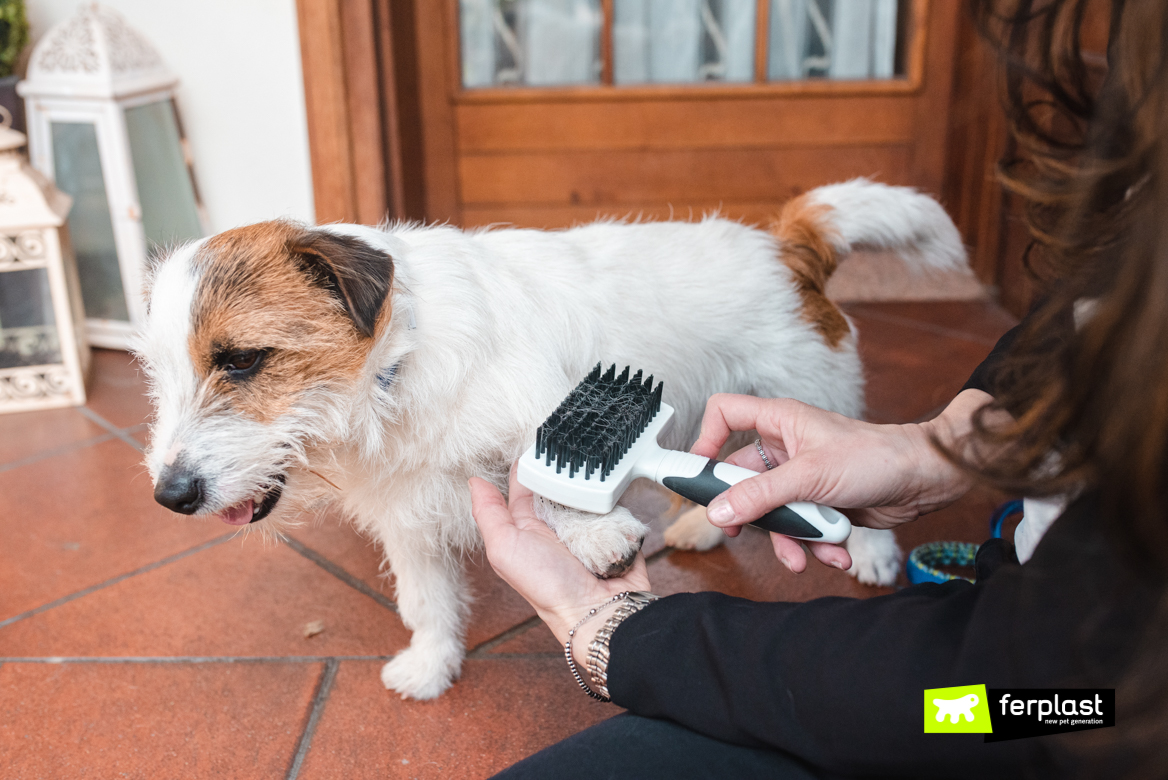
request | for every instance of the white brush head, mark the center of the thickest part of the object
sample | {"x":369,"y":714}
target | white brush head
{"x":586,"y":451}
{"x":591,"y":493}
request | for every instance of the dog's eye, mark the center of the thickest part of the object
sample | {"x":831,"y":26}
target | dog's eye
{"x":241,"y":363}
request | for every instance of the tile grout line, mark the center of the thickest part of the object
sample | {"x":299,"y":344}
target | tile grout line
{"x":928,"y":327}
{"x":115,"y":580}
{"x":63,"y":449}
{"x":339,"y":573}
{"x":97,"y":419}
{"x":324,"y":687}
{"x":520,"y":628}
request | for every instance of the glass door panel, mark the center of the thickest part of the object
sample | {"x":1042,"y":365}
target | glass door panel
{"x":835,"y":39}
{"x":530,"y":42}
{"x":559,"y":42}
{"x":683,"y":41}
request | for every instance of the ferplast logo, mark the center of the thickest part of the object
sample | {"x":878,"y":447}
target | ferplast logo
{"x":960,"y":710}
{"x":1003,"y":714}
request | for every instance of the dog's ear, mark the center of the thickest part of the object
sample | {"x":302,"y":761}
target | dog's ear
{"x":359,"y":275}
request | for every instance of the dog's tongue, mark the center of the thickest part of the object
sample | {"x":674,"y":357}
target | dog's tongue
{"x":240,"y":514}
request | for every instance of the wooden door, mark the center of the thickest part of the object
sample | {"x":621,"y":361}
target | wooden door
{"x":553,"y":156}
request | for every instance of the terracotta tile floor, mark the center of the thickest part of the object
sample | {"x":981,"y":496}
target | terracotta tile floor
{"x":137,"y":643}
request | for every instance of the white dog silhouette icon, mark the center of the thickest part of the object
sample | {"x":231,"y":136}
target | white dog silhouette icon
{"x":955,"y":708}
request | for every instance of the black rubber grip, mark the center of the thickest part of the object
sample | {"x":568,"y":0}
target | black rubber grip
{"x":705,"y":487}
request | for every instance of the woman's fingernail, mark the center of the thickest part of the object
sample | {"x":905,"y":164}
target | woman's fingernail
{"x":839,"y":565}
{"x":786,"y":563}
{"x":720,"y":512}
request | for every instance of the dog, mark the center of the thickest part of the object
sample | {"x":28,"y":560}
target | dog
{"x":377,"y":369}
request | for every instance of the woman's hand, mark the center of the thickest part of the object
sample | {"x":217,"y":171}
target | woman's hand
{"x":880,"y":475}
{"x":528,"y":556}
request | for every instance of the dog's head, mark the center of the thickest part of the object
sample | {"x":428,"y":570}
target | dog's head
{"x":254,"y":342}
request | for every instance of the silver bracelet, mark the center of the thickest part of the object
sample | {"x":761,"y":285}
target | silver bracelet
{"x":568,"y":646}
{"x":598,"y":653}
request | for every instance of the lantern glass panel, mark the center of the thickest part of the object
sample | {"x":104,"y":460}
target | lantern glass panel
{"x":28,"y":330}
{"x":77,"y":167}
{"x":169,"y":209}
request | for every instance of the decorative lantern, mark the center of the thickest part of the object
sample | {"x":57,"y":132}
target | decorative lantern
{"x":43,"y":353}
{"x":102,"y":124}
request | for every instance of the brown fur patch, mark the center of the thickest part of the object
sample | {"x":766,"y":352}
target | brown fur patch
{"x":807,"y":250}
{"x":254,"y":294}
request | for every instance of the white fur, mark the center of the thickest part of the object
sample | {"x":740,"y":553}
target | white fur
{"x":507,"y":322}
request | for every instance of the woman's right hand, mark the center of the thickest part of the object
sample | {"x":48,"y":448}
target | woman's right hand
{"x":879,"y":475}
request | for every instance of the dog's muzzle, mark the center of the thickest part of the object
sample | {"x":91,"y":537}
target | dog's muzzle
{"x":181,"y":490}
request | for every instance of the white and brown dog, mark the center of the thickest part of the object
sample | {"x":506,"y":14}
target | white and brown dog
{"x":378,"y":369}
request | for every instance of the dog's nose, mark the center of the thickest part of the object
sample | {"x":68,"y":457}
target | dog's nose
{"x":179,"y":491}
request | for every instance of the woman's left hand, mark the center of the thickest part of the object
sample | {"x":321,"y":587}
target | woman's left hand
{"x":528,"y":556}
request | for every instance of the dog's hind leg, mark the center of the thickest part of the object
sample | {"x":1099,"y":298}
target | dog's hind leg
{"x":433,"y":602}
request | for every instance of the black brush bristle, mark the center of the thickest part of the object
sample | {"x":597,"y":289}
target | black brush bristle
{"x":598,"y":422}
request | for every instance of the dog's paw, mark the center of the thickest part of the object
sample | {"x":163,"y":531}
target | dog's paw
{"x":607,"y":545}
{"x":692,"y":531}
{"x":423,"y":670}
{"x":876,"y":557}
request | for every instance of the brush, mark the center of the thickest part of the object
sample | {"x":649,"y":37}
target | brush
{"x":604,"y":435}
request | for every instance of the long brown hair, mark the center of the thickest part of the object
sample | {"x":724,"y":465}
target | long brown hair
{"x":1092,"y":168}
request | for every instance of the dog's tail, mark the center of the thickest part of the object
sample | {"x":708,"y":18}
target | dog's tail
{"x":821,"y":227}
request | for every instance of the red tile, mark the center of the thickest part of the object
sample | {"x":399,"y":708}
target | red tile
{"x":152,"y":720}
{"x":981,"y":320}
{"x":496,"y":606}
{"x":80,"y":518}
{"x":239,"y":598}
{"x":27,"y":434}
{"x":912,"y":372}
{"x":537,"y":639}
{"x":117,"y":388}
{"x":501,"y":711}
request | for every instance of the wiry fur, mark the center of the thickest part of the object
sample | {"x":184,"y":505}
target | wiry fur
{"x":507,"y":322}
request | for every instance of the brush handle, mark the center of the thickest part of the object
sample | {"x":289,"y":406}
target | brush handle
{"x":702,"y":479}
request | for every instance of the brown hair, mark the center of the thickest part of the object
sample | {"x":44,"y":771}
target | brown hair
{"x":1091,"y":164}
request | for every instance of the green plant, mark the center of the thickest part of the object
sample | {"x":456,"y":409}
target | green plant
{"x":13,"y":34}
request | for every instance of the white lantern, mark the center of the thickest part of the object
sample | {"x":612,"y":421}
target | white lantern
{"x":102,"y":124}
{"x":43,"y":353}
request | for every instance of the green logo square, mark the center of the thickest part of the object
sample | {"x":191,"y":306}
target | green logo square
{"x":960,"y":710}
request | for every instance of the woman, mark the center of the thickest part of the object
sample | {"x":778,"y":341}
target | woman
{"x":1072,"y":404}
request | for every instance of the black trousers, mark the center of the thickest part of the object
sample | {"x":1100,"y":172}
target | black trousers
{"x":636,"y":748}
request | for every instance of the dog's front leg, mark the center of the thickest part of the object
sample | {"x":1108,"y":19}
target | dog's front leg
{"x":605,"y":544}
{"x":433,"y":603}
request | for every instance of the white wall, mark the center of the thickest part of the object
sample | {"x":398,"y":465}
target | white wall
{"x":240,"y":95}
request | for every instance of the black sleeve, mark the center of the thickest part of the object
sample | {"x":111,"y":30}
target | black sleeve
{"x":986,"y":376}
{"x":983,"y":377}
{"x":840,"y":682}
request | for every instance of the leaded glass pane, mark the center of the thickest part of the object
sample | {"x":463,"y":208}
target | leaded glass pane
{"x":28,"y":329}
{"x":77,"y":167}
{"x":169,"y":211}
{"x":835,"y":39}
{"x":530,"y":42}
{"x":683,"y":41}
